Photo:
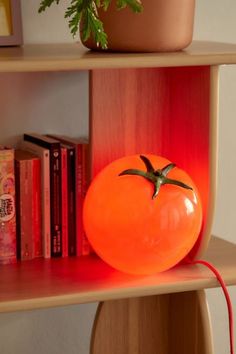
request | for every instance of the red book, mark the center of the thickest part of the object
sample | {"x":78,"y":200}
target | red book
{"x":86,"y":247}
{"x":28,"y":191}
{"x":36,"y":208}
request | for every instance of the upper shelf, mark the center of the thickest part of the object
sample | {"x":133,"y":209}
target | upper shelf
{"x":57,"y":282}
{"x":58,"y":57}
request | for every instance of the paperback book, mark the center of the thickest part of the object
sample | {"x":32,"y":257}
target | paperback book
{"x":55,"y":188}
{"x":7,"y":206}
{"x":28,"y":203}
{"x":43,"y":154}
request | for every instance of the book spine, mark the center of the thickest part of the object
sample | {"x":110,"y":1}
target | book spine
{"x":7,"y":207}
{"x":45,"y":206}
{"x":64,"y":201}
{"x":55,"y":187}
{"x":71,"y":203}
{"x":72,"y":192}
{"x":26,"y":206}
{"x":36,"y":209}
{"x":17,"y":204}
{"x":86,"y":247}
{"x":79,"y":200}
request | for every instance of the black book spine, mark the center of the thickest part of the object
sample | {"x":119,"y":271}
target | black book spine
{"x":55,"y":191}
{"x":55,"y":196}
{"x":71,"y":203}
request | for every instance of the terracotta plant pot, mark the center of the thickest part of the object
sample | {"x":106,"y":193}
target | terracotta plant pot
{"x":163,"y":25}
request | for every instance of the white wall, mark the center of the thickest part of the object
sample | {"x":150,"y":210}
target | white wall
{"x":43,"y":101}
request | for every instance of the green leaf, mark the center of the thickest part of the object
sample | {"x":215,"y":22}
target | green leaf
{"x":165,"y":170}
{"x":134,"y":5}
{"x":86,"y":26}
{"x":46,"y":3}
{"x":157,"y":187}
{"x":135,"y":172}
{"x":74,"y":12}
{"x":177,"y":183}
{"x":106,"y":4}
{"x":96,"y":28}
{"x":98,"y":3}
{"x":147,"y":163}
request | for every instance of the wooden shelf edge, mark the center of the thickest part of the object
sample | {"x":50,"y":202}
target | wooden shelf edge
{"x":78,"y":299}
{"x":71,"y":57}
{"x":107,"y":284}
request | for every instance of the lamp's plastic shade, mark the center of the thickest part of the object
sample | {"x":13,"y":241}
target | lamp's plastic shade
{"x":133,"y":231}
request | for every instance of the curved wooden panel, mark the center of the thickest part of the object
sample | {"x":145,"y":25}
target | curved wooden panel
{"x":166,"y":111}
{"x":165,"y":324}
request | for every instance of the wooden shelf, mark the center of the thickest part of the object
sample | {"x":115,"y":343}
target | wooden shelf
{"x":59,"y":282}
{"x":57,"y":57}
{"x":164,"y":99}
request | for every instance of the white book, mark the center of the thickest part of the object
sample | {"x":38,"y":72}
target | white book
{"x":44,"y":156}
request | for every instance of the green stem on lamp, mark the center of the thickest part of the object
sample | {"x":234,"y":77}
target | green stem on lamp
{"x":156,"y":177}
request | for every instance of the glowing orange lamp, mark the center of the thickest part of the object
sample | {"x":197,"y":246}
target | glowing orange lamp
{"x":142,"y":214}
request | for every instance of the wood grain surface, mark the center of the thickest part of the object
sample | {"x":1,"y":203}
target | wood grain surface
{"x":165,"y":324}
{"x":170,"y":112}
{"x":61,"y":57}
{"x":43,"y":283}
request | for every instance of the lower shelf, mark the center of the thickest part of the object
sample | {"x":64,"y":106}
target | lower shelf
{"x":58,"y":282}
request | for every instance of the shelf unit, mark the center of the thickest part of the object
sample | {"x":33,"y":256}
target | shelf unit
{"x":165,"y":103}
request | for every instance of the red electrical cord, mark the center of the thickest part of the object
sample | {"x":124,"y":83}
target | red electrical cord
{"x":227,"y":297}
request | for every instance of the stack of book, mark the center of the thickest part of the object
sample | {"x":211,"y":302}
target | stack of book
{"x":51,"y":178}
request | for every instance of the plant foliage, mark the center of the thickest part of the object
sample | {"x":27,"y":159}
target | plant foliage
{"x":83,"y":14}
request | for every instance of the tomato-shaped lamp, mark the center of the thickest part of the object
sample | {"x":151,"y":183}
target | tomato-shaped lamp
{"x":142,"y":214}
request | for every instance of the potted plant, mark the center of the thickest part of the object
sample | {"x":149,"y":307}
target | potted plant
{"x":150,"y":26}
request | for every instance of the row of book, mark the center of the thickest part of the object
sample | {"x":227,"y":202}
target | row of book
{"x":42,"y":186}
